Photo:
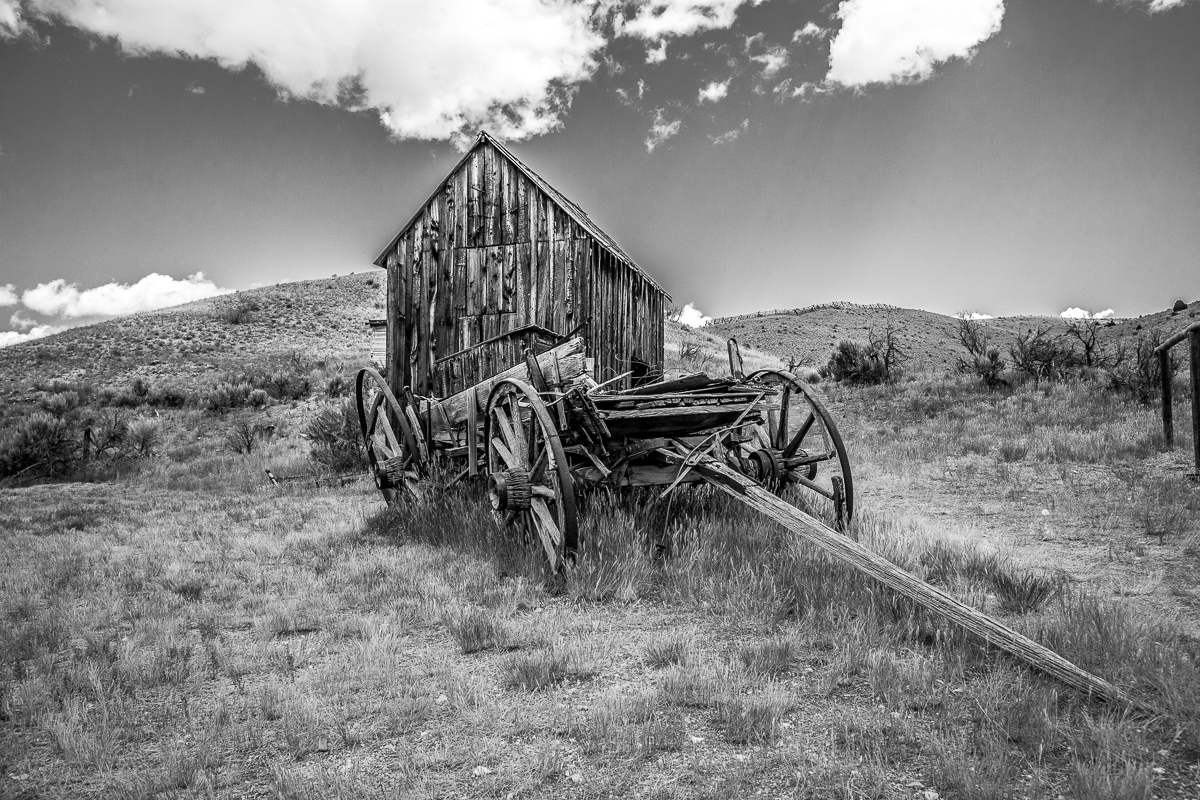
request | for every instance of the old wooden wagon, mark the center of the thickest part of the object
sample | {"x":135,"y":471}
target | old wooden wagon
{"x":524,"y":347}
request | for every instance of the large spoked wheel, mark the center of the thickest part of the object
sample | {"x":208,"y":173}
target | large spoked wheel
{"x":803,"y":445}
{"x":529,"y":482}
{"x":396,"y":455}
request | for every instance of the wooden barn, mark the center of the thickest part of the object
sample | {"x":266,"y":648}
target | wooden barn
{"x":495,"y":261}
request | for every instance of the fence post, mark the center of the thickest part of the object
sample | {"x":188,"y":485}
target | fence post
{"x":1194,"y":342}
{"x":1164,"y":374}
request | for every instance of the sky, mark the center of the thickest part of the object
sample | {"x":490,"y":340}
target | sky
{"x":992,"y":156}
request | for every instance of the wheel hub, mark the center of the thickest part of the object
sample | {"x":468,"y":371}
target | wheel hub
{"x":509,"y":490}
{"x":766,"y":467}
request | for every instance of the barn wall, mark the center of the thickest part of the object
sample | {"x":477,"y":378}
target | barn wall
{"x":492,"y":252}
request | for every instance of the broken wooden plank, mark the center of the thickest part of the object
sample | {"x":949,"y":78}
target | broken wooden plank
{"x":905,"y":583}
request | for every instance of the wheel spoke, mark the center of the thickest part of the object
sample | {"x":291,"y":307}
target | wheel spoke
{"x":784,"y":407}
{"x":546,"y":524}
{"x":794,"y":444}
{"x":385,"y":424}
{"x":505,"y":426}
{"x":505,"y":454}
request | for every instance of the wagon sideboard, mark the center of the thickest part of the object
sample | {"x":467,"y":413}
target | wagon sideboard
{"x":494,"y":250}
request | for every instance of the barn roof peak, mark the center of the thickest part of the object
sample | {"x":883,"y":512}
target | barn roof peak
{"x":572,"y":210}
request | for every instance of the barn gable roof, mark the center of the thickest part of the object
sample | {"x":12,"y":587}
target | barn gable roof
{"x":574,"y":211}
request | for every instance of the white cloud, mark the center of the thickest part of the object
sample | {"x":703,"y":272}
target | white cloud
{"x":775,"y":59}
{"x":692,"y":317}
{"x":714,"y":91}
{"x":731,"y":135}
{"x":1163,"y":5}
{"x":430,"y":70}
{"x":661,"y":130}
{"x":881,"y":41}
{"x":61,"y":299}
{"x":1080,"y":313}
{"x":21,"y":322}
{"x":810,"y":31}
{"x":975,"y":315}
{"x":656,"y":55}
{"x":8,"y":293}
{"x":10,"y":18}
{"x":13,"y":337}
{"x":657,"y":19}
{"x":195,"y":88}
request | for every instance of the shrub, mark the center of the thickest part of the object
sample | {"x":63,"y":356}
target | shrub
{"x":1138,"y":371}
{"x":169,"y":395}
{"x":258,"y":398}
{"x":225,"y":396}
{"x":336,"y":437}
{"x":1040,"y":354}
{"x":243,"y":437}
{"x":41,"y":442}
{"x":240,"y":313}
{"x":855,"y":363}
{"x":144,"y":437}
{"x":983,"y":360}
{"x":59,"y":403}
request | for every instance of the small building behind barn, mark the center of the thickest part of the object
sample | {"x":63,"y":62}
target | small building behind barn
{"x":495,"y":261}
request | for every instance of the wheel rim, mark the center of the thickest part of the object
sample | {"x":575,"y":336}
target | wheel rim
{"x":523,"y":444}
{"x":393,"y":450}
{"x":804,"y":437}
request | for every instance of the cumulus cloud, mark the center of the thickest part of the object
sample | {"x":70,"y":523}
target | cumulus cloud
{"x":656,"y":55}
{"x":37,"y":332}
{"x":21,"y":322}
{"x":1080,"y":313}
{"x":8,"y":293}
{"x":974,"y":315}
{"x":661,"y":130}
{"x":195,"y":88}
{"x":61,"y":299}
{"x":692,"y":317}
{"x":717,"y":90}
{"x":775,"y":59}
{"x":882,"y":41}
{"x":810,"y":31}
{"x":658,"y":19}
{"x":430,"y":70}
{"x":10,"y":18}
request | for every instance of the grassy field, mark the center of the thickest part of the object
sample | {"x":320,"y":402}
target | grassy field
{"x":184,"y":628}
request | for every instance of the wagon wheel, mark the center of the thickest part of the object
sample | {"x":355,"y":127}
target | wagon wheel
{"x":529,"y":482}
{"x":805,"y":447}
{"x":395,"y":453}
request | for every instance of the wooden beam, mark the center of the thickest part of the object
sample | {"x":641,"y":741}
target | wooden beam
{"x":1194,"y":342}
{"x":1164,"y":377}
{"x":902,"y":582}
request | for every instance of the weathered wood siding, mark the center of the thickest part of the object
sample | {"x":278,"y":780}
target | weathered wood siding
{"x":456,"y":372}
{"x":378,"y":328}
{"x":492,"y":252}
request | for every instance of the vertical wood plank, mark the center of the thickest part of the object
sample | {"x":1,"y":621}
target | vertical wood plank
{"x":474,"y":290}
{"x":474,"y":168}
{"x":509,"y":279}
{"x":460,"y":281}
{"x":521,"y":292}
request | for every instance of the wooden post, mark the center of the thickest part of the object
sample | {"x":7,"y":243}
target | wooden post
{"x":1194,"y":342}
{"x":1164,"y":372}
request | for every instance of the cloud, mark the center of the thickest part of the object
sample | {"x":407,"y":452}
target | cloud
{"x":8,"y":293}
{"x":714,"y":91}
{"x":10,"y":18}
{"x":37,"y":332}
{"x":195,"y":88}
{"x":692,"y":317}
{"x":658,"y":19}
{"x":661,"y":130}
{"x":731,"y":135}
{"x":656,"y":55}
{"x":430,"y":70}
{"x":882,"y":41}
{"x":810,"y":31}
{"x":21,"y":322}
{"x":61,"y":299}
{"x":1079,"y":313}
{"x":775,"y":59}
{"x":975,"y":315}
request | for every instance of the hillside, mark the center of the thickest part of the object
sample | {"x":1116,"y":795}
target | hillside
{"x":194,"y":343}
{"x":809,"y":335}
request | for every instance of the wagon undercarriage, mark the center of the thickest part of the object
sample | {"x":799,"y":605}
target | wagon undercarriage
{"x":543,"y":430}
